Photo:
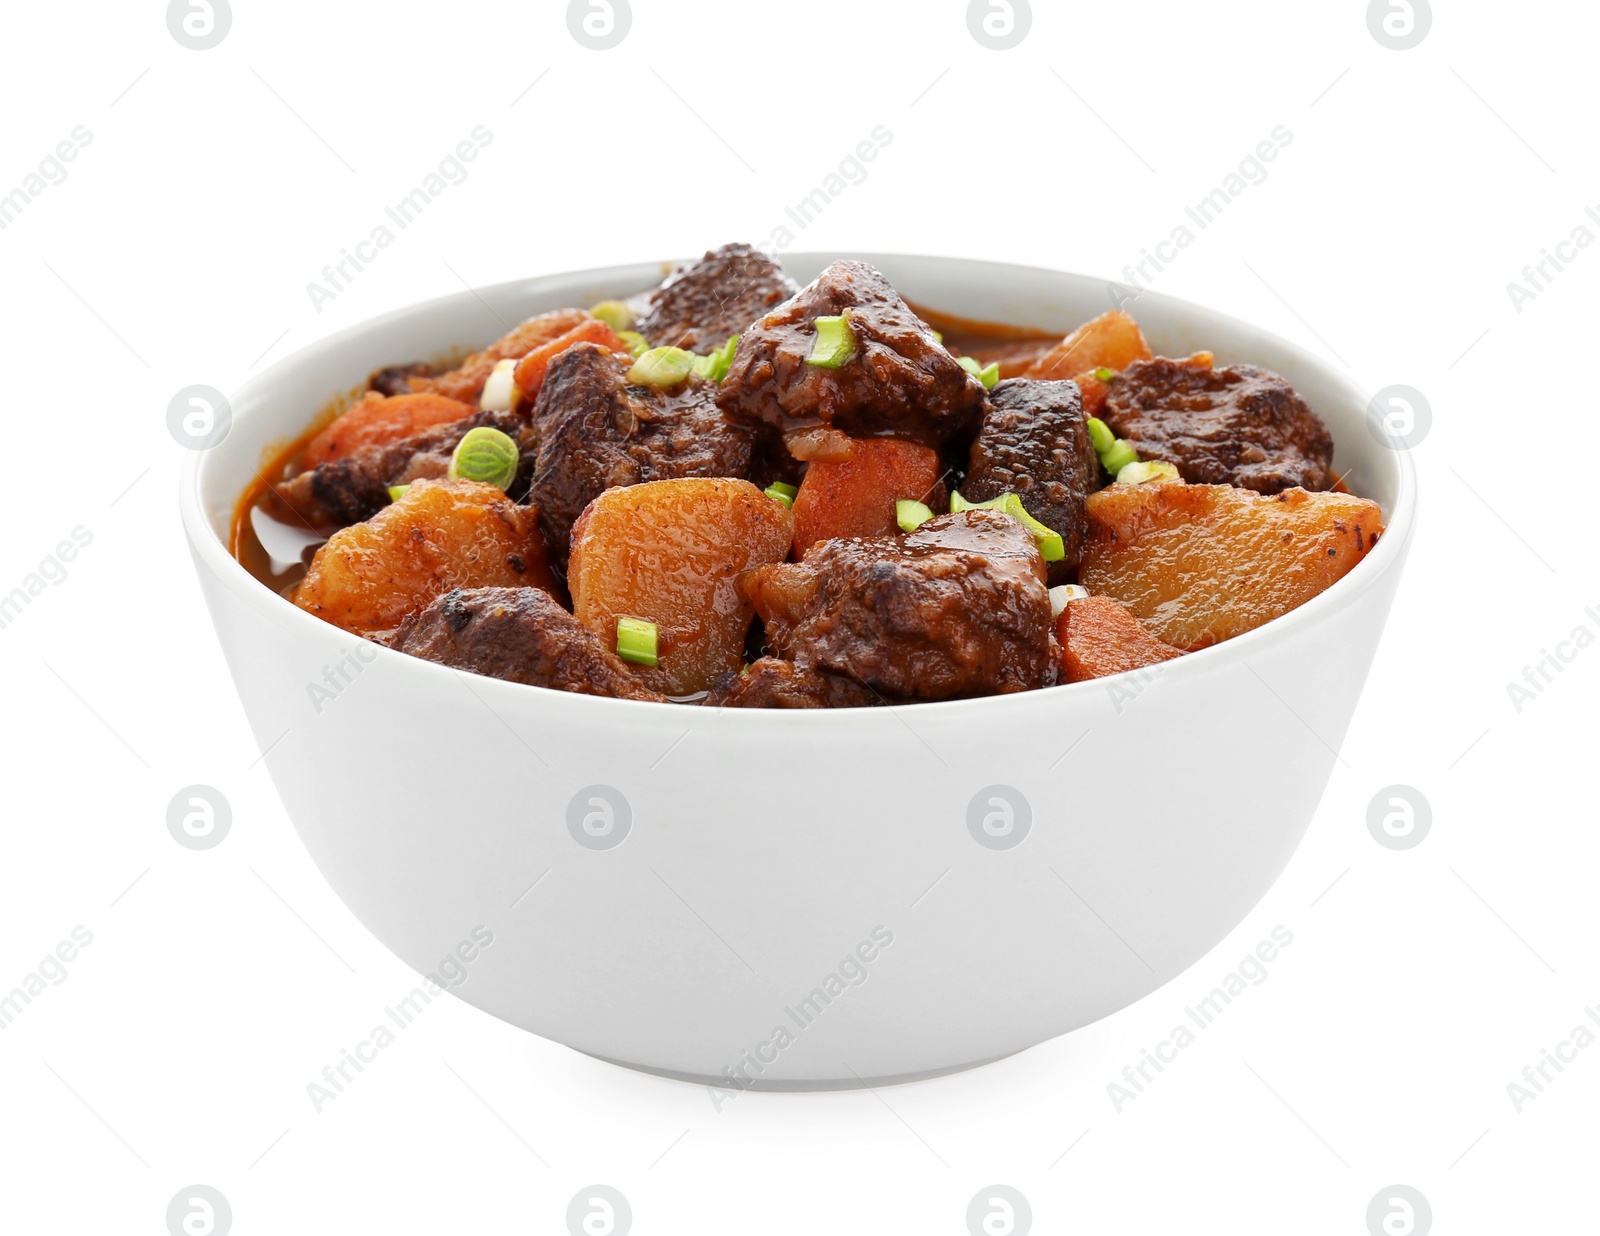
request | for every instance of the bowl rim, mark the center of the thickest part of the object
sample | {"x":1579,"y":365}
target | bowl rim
{"x":211,"y":551}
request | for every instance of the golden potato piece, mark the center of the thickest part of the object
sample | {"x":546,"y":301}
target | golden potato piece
{"x":1198,"y":564}
{"x":1111,"y":341}
{"x":439,"y":535}
{"x":1099,"y":637}
{"x":671,"y":552}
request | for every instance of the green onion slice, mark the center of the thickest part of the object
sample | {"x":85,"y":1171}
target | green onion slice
{"x":485,"y":455}
{"x":987,"y":374}
{"x":662,"y":367}
{"x":1045,"y":538}
{"x":1119,"y":456}
{"x":781,"y":491}
{"x":396,"y":492}
{"x":636,"y":641}
{"x":1104,"y":374}
{"x":614,"y":314}
{"x":1100,"y":436}
{"x":1140,"y":471}
{"x":834,"y":344}
{"x":911,"y":514}
{"x":638,"y":345}
{"x":714,"y":365}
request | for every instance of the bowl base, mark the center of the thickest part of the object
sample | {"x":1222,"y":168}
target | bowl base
{"x":721,"y":1082}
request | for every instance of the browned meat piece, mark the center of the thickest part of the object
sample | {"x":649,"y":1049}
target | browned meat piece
{"x":699,"y":306}
{"x":901,"y":382}
{"x":1034,"y":442}
{"x":521,"y":635}
{"x":396,"y":379}
{"x":1239,"y":425}
{"x":345,"y":491}
{"x":773,"y":683}
{"x":596,"y":431}
{"x":958,"y":608}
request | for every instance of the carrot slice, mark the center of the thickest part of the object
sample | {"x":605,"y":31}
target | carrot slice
{"x":855,"y":496}
{"x":1099,"y":637}
{"x":379,"y":420}
{"x":531,"y":368}
{"x":465,"y":381}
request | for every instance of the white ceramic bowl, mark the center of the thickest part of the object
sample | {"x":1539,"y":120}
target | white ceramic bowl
{"x":800,"y":898}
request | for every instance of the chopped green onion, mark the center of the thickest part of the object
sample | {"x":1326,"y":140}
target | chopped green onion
{"x":911,"y":514}
{"x":1100,"y":436}
{"x":662,"y":367}
{"x":636,"y":641}
{"x":396,"y":492}
{"x":781,"y":491}
{"x":937,"y":337}
{"x":1140,"y":471}
{"x":1046,"y":539}
{"x":714,"y":365}
{"x":638,"y":345}
{"x":834,"y":345}
{"x":1119,"y":456}
{"x":614,"y":314}
{"x":1104,"y":374}
{"x":987,"y":374}
{"x":485,"y":455}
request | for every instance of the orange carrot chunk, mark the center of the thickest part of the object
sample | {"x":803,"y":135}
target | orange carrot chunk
{"x":531,"y":368}
{"x":856,"y":496}
{"x":1099,"y":637}
{"x":378,"y":420}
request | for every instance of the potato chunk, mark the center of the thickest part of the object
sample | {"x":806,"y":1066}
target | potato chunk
{"x":856,"y":496}
{"x":1198,"y":564}
{"x":440,"y":535}
{"x":671,"y":552}
{"x":1111,"y":341}
{"x":1099,"y":637}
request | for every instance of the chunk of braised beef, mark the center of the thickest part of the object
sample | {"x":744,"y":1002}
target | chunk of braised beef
{"x":396,"y":379}
{"x":521,"y":635}
{"x":1034,"y":442}
{"x":698,"y":306}
{"x":346,"y":491}
{"x":774,"y":683}
{"x":900,"y":381}
{"x":958,"y":608}
{"x":1238,"y":425}
{"x":596,"y":431}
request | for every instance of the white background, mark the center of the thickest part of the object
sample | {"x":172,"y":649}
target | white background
{"x":177,"y":251}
